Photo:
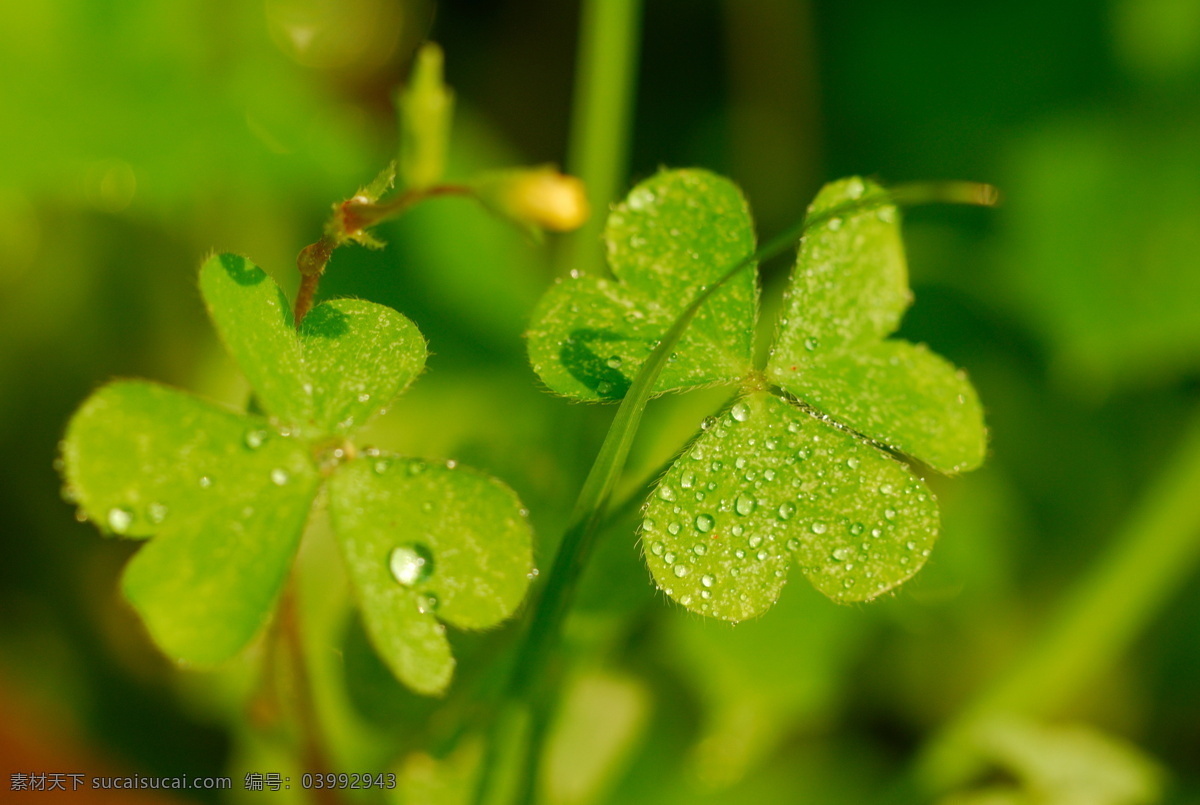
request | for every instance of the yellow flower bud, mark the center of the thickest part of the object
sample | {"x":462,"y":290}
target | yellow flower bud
{"x":540,"y":197}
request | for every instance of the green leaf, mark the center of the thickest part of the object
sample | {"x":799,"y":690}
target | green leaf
{"x":254,"y":320}
{"x":227,"y":496}
{"x":139,"y":456}
{"x":767,"y":484}
{"x":359,"y":357}
{"x":675,"y":233}
{"x":425,"y":543}
{"x":847,"y":293}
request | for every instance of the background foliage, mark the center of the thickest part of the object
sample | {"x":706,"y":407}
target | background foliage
{"x":140,"y":136}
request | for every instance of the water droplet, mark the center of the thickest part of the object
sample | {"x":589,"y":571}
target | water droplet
{"x":762,"y":555}
{"x":912,"y":546}
{"x":410,"y":564}
{"x":416,"y":467}
{"x":614,"y":362}
{"x":604,"y":388}
{"x":688,"y":480}
{"x":786,"y":510}
{"x":740,"y":412}
{"x":842,"y":554}
{"x":707,"y":581}
{"x":666,"y":492}
{"x":793,"y":544}
{"x":744,"y":505}
{"x":857,"y":528}
{"x":886,"y":489}
{"x":768,"y":474}
{"x":669,"y":557}
{"x":255,"y":438}
{"x":889,"y":514}
{"x":657,"y":549}
{"x":279,"y":476}
{"x":364,"y":397}
{"x":427,"y":603}
{"x":156,"y":513}
{"x":853,"y":463}
{"x":737,"y":530}
{"x":819,"y":528}
{"x":739,"y":553}
{"x":120,"y":519}
{"x":699,"y":549}
{"x":803,"y":453}
{"x":811,"y":343}
{"x":205,"y":482}
{"x":381,"y":466}
{"x":673,"y":528}
{"x":834,"y":224}
{"x":704,"y":523}
{"x":681,"y":570}
{"x":755,"y":540}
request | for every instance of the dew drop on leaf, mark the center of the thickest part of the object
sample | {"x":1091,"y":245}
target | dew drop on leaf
{"x":744,"y":505}
{"x":740,"y":412}
{"x":410,"y":564}
{"x":255,"y":438}
{"x":119,"y":519}
{"x":704,"y":523}
{"x":279,"y":476}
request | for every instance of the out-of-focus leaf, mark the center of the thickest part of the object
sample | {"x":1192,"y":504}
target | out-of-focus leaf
{"x":426,"y":544}
{"x":226,"y":496}
{"x":359,"y":357}
{"x":254,"y":320}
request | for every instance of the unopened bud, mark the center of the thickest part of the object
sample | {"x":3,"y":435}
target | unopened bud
{"x":540,"y":197}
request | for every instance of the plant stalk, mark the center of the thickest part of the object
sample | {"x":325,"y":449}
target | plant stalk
{"x":598,"y":151}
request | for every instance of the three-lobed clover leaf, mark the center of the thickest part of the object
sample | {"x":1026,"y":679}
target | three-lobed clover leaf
{"x":794,"y":470}
{"x":226,"y":495}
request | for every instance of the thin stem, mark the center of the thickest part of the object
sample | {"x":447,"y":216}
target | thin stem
{"x":598,"y":151}
{"x":350,"y":222}
{"x":1152,"y":556}
{"x":312,"y":752}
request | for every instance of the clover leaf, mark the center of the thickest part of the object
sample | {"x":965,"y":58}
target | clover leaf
{"x":800,"y":467}
{"x":226,"y":495}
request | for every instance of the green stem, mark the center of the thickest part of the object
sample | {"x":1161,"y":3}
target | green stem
{"x":1153,"y":555}
{"x":598,"y":151}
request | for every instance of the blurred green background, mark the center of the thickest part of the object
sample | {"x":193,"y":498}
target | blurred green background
{"x":138,"y":136}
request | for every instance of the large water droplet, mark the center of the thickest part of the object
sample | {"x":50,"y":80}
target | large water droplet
{"x":410,"y":564}
{"x":704,"y":523}
{"x":811,"y":343}
{"x":786,"y":510}
{"x":120,"y":519}
{"x":657,"y":549}
{"x":819,"y":528}
{"x":681,"y":570}
{"x":744,"y":505}
{"x":740,"y":412}
{"x":666,"y":492}
{"x":707,"y":580}
{"x":688,"y":480}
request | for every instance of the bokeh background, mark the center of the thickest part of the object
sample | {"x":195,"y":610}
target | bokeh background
{"x":138,"y":136}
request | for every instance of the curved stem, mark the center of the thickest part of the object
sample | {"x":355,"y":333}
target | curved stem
{"x":350,"y":221}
